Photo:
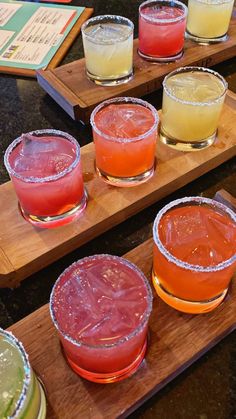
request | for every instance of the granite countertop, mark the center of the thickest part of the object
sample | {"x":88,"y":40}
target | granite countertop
{"x":207,"y":390}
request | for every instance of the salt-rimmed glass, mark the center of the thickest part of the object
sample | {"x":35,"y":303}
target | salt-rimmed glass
{"x":30,"y":400}
{"x":93,"y":360}
{"x":161,"y":30}
{"x":48,"y":201}
{"x":125,"y":160}
{"x":108,"y":49}
{"x":193,"y":288}
{"x":189,"y":115}
{"x":208,"y":20}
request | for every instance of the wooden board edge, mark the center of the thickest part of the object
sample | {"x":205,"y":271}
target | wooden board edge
{"x":60,"y":53}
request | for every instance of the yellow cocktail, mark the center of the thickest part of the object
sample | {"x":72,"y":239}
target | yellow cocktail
{"x":208,"y":20}
{"x":192,"y":101}
{"x":108,"y":49}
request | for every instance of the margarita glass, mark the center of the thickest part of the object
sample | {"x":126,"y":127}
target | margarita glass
{"x":125,"y":134}
{"x":194,"y":253}
{"x":108,"y":49}
{"x":21,"y":394}
{"x":161,"y":30}
{"x":208,"y":20}
{"x":45,"y":170}
{"x":193,"y":98}
{"x":100,"y":306}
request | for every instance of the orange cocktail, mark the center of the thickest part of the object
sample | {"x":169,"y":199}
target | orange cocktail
{"x":194,"y":253}
{"x":125,"y":133}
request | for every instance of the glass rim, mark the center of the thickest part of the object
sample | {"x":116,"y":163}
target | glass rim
{"x":32,"y":179}
{"x":112,"y":18}
{"x":173,"y":259}
{"x":215,"y":2}
{"x":122,"y":340}
{"x":125,"y":100}
{"x":189,"y":69}
{"x":27,"y":370}
{"x":158,"y":20}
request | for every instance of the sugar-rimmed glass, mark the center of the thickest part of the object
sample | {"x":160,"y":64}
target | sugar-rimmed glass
{"x":47,"y":177}
{"x":125,"y":134}
{"x":161,"y":30}
{"x":23,"y":393}
{"x":100,"y":306}
{"x":208,"y":20}
{"x":108,"y":49}
{"x":193,"y":98}
{"x":194,"y":253}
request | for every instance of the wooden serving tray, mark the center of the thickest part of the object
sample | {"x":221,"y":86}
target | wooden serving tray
{"x":78,"y":96}
{"x":176,"y":341}
{"x":25,"y":249}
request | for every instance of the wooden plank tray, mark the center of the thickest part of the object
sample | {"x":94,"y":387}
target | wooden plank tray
{"x":25,"y":249}
{"x":70,"y":88}
{"x":176,"y":341}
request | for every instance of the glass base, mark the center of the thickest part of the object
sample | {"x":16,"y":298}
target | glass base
{"x":185,"y":145}
{"x":161,"y":59}
{"x":43,"y":404}
{"x":109,"y":82}
{"x":112,"y":377}
{"x":205,"y":41}
{"x":125,"y":182}
{"x":186,"y":306}
{"x":57,"y":220}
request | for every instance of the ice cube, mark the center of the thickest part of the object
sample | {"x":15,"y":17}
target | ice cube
{"x":33,"y":145}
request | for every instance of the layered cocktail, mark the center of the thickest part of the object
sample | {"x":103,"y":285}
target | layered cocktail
{"x":101,"y":306}
{"x":46,"y":172}
{"x":21,"y":394}
{"x":125,"y":134}
{"x":194,"y":253}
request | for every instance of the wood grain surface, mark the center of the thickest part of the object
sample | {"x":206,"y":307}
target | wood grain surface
{"x":61,"y":52}
{"x":25,"y":249}
{"x":71,"y":89}
{"x":176,"y":341}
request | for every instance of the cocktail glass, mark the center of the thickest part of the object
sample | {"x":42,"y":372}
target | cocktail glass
{"x":45,"y":170}
{"x":108,"y":49}
{"x":21,"y":393}
{"x":161,"y":30}
{"x":125,"y":134}
{"x":194,"y":253}
{"x":208,"y":21}
{"x":193,"y":98}
{"x":100,"y":306}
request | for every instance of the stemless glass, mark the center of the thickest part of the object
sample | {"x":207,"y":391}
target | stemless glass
{"x":208,"y":20}
{"x":125,"y":134}
{"x":193,"y":98}
{"x":161,"y":30}
{"x":194,"y":253}
{"x":23,"y":393}
{"x":100,"y":306}
{"x":108,"y":49}
{"x":45,"y":169}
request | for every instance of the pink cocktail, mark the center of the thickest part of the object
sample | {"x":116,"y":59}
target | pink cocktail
{"x":100,"y":306}
{"x":161,"y":30}
{"x":46,"y":172}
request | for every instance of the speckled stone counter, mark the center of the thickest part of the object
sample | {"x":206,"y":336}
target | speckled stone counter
{"x":207,"y":390}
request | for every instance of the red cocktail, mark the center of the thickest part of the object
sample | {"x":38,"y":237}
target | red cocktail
{"x":194,"y":253}
{"x":100,"y":306}
{"x":125,"y":134}
{"x":46,"y":172}
{"x":161,"y":30}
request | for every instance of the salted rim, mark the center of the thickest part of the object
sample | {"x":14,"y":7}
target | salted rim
{"x":125,"y":100}
{"x":146,"y":314}
{"x":215,"y":2}
{"x":192,"y":69}
{"x":175,"y":260}
{"x":27,"y":370}
{"x":32,"y":179}
{"x":157,"y":20}
{"x":108,"y":19}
